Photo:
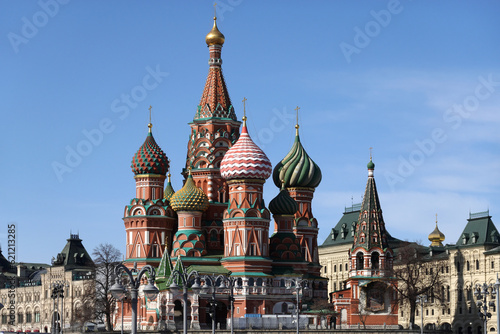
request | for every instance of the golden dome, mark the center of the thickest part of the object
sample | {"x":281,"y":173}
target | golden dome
{"x":436,"y":237}
{"x":214,"y":37}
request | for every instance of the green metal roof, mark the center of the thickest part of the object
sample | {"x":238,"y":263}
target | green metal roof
{"x":479,"y":231}
{"x":343,"y":232}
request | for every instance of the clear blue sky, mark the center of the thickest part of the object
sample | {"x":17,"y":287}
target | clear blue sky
{"x":417,"y":81}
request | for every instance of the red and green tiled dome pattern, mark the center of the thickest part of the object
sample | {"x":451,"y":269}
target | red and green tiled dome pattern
{"x":150,"y":159}
{"x":189,"y":198}
{"x":285,"y":246}
{"x":189,"y":243}
{"x":283,"y":204}
{"x":245,"y":160}
{"x":297,"y":169}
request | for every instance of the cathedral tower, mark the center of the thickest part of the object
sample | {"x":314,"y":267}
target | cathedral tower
{"x":189,"y":202}
{"x":246,"y":220}
{"x":214,"y":130}
{"x":370,"y":253}
{"x":149,"y":220}
{"x":301,"y":176}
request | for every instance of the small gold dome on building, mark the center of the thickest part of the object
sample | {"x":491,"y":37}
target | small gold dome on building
{"x":436,"y":237}
{"x":215,"y":37}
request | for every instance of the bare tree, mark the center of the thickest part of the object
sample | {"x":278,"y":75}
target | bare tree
{"x":85,"y":310}
{"x":417,"y":274}
{"x":106,"y":257}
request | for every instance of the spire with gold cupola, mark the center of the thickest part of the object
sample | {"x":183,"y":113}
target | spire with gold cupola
{"x":214,"y":130}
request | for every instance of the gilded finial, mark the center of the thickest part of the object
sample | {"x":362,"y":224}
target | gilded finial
{"x":150,"y":125}
{"x":297,"y":120}
{"x":244,"y":111}
{"x":189,"y":170}
{"x":436,"y":219}
{"x":371,"y":148}
{"x":215,"y":37}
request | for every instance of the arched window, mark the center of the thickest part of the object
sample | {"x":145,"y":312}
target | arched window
{"x":375,"y":264}
{"x":477,"y":264}
{"x":359,"y":261}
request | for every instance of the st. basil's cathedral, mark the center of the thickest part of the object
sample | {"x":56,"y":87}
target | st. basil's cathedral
{"x":218,"y":223}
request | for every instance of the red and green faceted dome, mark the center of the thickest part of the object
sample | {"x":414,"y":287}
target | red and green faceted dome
{"x":189,"y":198}
{"x":150,"y":159}
{"x":283,"y":204}
{"x":297,"y":169}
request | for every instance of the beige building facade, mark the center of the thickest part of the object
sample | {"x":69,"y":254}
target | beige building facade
{"x":26,"y":291}
{"x":472,"y":260}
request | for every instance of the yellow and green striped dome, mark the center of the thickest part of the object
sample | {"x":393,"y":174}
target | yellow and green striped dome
{"x":189,"y":198}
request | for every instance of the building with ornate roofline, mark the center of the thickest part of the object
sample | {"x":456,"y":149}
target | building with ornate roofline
{"x":32,"y":286}
{"x":218,"y":222}
{"x":473,"y":259}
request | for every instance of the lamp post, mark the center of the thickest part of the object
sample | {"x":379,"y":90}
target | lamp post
{"x":497,"y":293}
{"x":232,"y":284}
{"x":299,"y":285}
{"x":421,"y":299}
{"x":58,"y":292}
{"x":481,"y":292}
{"x":185,"y":277}
{"x":213,"y":281}
{"x":121,"y":297}
{"x":118,"y":290}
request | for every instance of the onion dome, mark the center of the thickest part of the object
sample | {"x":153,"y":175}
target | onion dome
{"x":436,"y":237}
{"x":169,"y":190}
{"x":189,"y":197}
{"x":283,"y":204}
{"x":150,"y":159}
{"x":245,"y":160}
{"x":297,"y":169}
{"x":370,"y":165}
{"x":214,"y":37}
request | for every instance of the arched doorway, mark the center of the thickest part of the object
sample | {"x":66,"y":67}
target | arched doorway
{"x":178,"y":311}
{"x":221,"y":315}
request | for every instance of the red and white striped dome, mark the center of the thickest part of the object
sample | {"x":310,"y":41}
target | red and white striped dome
{"x":245,"y":160}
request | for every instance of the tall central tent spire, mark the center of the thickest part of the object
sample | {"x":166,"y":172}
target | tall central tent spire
{"x":215,"y":101}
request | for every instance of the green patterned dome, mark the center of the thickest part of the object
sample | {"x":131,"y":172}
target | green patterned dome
{"x":169,"y":190}
{"x":283,"y":204}
{"x":189,"y":198}
{"x":297,"y":169}
{"x":150,"y":159}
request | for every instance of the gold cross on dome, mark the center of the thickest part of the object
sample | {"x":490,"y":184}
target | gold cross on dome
{"x":215,"y":10}
{"x":244,"y":107}
{"x":371,"y":148}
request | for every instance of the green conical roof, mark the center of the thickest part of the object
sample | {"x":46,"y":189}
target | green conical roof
{"x":178,"y":267}
{"x":297,"y":169}
{"x":189,"y":198}
{"x":165,"y":267}
{"x":169,"y":190}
